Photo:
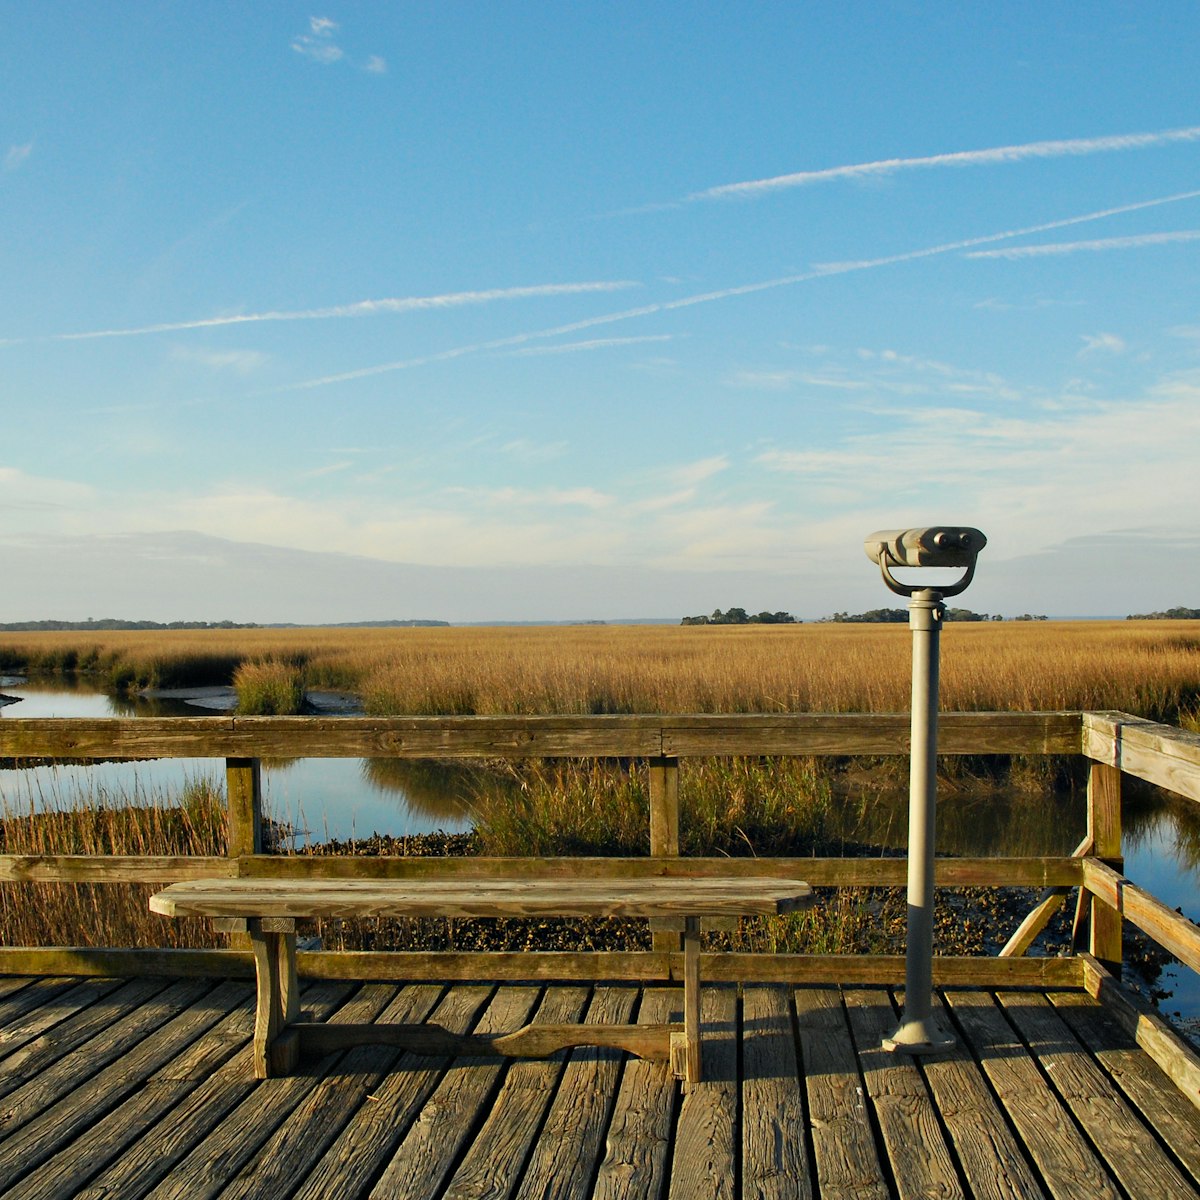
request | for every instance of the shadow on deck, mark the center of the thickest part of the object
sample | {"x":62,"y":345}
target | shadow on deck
{"x":144,"y":1087}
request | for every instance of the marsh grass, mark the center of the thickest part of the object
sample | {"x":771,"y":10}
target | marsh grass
{"x":1150,"y":668}
{"x":268,"y":687}
{"x":107,"y":914}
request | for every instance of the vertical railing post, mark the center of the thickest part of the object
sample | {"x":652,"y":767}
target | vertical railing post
{"x":1104,"y":828}
{"x":243,"y":824}
{"x":664,"y":837}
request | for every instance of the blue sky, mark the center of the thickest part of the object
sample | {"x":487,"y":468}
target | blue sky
{"x":534,"y":311}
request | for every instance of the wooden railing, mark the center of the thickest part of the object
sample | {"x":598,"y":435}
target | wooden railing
{"x":1115,"y":744}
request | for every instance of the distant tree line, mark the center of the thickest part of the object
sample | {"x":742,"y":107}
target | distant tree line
{"x":1172,"y":614}
{"x":106,"y":623}
{"x":739,"y":616}
{"x":899,"y":616}
{"x":115,"y":623}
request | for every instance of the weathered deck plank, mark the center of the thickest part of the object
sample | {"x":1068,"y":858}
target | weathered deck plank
{"x":705,"y":1157}
{"x":172,"y":1134}
{"x":45,"y":1009}
{"x":568,"y":1151}
{"x":1142,"y":1080}
{"x":1045,"y":1095}
{"x":774,"y":1154}
{"x":285,"y":1160}
{"x":233,"y":1145}
{"x":639,"y":1134}
{"x":351,"y":1163}
{"x":1067,"y":1162}
{"x":492,"y":1165}
{"x":988,"y":1152}
{"x":64,"y":1175}
{"x":426,"y":1156}
{"x":901,"y":1102}
{"x":843,"y":1143}
{"x":71,"y":1096}
{"x":1098,"y":1106}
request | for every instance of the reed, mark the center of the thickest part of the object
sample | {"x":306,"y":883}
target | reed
{"x":108,"y":914}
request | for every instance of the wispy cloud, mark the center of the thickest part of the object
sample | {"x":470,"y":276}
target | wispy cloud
{"x":360,"y":308}
{"x":1117,"y":243}
{"x":318,"y":44}
{"x":1072,"y":147}
{"x":334,"y":468}
{"x":820,"y":271}
{"x":838,"y":268}
{"x":1108,"y":343}
{"x":594,"y":344}
{"x":16,"y":156}
{"x":504,"y":497}
{"x":779,"y":381}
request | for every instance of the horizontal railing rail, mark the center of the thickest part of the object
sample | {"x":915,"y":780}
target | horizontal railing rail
{"x":800,"y":734}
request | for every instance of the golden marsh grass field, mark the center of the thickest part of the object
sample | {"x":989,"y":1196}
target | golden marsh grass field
{"x":1150,"y":668}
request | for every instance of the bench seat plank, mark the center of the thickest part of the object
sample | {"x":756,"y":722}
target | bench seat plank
{"x":457,"y":897}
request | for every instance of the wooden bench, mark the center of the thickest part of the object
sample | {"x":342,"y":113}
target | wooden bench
{"x":267,"y":911}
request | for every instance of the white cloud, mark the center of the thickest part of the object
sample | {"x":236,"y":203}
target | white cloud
{"x":1072,"y":147}
{"x":319,"y":46}
{"x":1041,"y":478}
{"x":322,"y":52}
{"x":16,"y":156}
{"x":1117,"y":243}
{"x":1109,"y":343}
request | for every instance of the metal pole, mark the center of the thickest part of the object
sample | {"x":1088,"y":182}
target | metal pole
{"x":916,"y":1033}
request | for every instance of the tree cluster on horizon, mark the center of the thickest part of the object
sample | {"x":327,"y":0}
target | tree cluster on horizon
{"x":1170,"y":614}
{"x":739,"y":616}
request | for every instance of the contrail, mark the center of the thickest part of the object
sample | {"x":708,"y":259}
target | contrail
{"x":1071,"y":147}
{"x":361,"y":308}
{"x":1117,"y":243}
{"x":819,"y":272}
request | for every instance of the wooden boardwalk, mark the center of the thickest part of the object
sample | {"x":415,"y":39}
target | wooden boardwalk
{"x":144,"y":1087}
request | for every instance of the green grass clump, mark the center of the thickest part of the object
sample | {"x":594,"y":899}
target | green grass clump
{"x":269,"y":688}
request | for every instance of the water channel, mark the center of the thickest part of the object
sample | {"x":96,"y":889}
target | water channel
{"x":324,"y":798}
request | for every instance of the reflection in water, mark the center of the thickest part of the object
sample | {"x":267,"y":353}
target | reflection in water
{"x":1146,"y":810}
{"x":437,"y":790}
{"x":970,"y":823}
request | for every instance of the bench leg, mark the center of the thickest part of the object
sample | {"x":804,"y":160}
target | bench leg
{"x":275,"y":1051}
{"x":685,"y":1050}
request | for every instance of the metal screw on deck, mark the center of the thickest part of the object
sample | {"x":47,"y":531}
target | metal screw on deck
{"x":941,"y":546}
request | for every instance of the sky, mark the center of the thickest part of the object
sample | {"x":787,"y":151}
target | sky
{"x":532,"y":311}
